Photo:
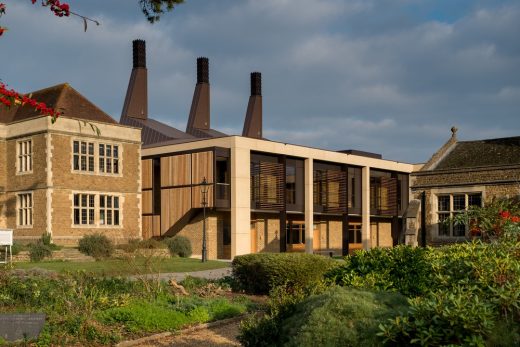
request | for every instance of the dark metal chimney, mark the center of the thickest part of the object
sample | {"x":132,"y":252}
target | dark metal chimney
{"x":200,"y":112}
{"x":202,"y":70}
{"x":256,"y":83}
{"x":139,"y":48}
{"x":253,"y":122}
{"x":136,"y":100}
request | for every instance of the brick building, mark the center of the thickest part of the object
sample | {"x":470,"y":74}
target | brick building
{"x":461,"y":174}
{"x":64,"y":178}
{"x":263,"y":196}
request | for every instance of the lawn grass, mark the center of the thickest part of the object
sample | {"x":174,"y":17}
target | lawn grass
{"x":138,"y":265}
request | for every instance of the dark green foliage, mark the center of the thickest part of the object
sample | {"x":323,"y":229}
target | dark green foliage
{"x":179,"y":246}
{"x":18,"y":247}
{"x":153,"y":9}
{"x":39,"y":251}
{"x":341,"y":317}
{"x":336,"y":317}
{"x":404,"y":269}
{"x":259,"y":273}
{"x":96,"y":245}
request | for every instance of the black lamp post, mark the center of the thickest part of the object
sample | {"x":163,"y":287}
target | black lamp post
{"x":204,"y":190}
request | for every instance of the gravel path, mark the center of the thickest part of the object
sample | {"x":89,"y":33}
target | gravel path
{"x":179,"y":276}
{"x":219,"y":336}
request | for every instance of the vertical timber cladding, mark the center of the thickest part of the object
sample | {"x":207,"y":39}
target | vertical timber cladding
{"x":202,"y":167}
{"x":175,"y":189}
{"x":151,"y":222}
{"x":181,"y":189}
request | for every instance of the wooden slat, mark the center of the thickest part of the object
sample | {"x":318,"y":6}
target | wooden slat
{"x":268,"y":190}
{"x":147,"y":173}
{"x":147,"y":227}
{"x":388,"y":196}
{"x":175,"y":203}
{"x":176,"y":170}
{"x":197,"y":196}
{"x":156,"y":225}
{"x":202,"y":167}
{"x":147,"y":202}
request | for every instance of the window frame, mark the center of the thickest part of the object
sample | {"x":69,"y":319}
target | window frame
{"x":24,"y":157}
{"x":451,"y":231}
{"x":96,"y":159}
{"x":107,"y":210}
{"x":24,"y":210}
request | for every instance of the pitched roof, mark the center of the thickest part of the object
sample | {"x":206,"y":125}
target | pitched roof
{"x":491,"y":152}
{"x":154,"y":131}
{"x":61,"y":97}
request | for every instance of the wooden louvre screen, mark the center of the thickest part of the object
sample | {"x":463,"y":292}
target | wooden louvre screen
{"x":336,"y":183}
{"x":388,"y":196}
{"x":268,"y":186}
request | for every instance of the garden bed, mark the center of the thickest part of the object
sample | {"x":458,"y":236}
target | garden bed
{"x":83,"y":309}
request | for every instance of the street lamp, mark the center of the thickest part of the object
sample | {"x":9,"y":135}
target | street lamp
{"x":204,"y":190}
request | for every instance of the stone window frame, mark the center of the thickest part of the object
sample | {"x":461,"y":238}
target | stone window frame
{"x":90,"y":160}
{"x":22,"y":156}
{"x":24,"y":210}
{"x":96,"y":157}
{"x":97,"y":210}
{"x":109,"y":210}
{"x":105,"y":159}
{"x":452,"y":191}
{"x":89,"y":207}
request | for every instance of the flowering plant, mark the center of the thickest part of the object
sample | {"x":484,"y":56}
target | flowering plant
{"x":9,"y":98}
{"x":498,"y":219}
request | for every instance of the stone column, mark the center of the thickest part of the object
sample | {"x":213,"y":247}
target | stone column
{"x":365,"y":207}
{"x":309,"y":205}
{"x":240,"y":201}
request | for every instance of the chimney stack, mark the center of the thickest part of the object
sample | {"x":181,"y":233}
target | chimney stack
{"x":136,"y":101}
{"x":200,"y":112}
{"x":253,"y":122}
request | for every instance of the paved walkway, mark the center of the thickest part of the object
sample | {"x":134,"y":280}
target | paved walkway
{"x":179,"y":276}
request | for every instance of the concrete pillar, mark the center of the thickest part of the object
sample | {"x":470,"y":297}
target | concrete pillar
{"x":365,"y":207}
{"x":309,"y":205}
{"x":240,"y":201}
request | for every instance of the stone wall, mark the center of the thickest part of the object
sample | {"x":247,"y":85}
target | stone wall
{"x":193,"y":231}
{"x":267,"y":232}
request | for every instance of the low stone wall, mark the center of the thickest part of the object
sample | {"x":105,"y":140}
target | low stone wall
{"x":73,"y":254}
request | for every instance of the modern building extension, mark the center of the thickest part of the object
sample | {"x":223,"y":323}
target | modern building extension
{"x":461,"y":174}
{"x":64,"y":178}
{"x":264,"y":196}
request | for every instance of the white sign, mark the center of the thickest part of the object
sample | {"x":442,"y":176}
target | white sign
{"x":6,"y":237}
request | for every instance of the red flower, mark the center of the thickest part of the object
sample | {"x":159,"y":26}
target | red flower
{"x":505,"y":214}
{"x":515,"y":219}
{"x":2,"y":30}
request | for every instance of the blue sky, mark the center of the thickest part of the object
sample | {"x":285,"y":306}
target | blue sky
{"x":388,"y":76}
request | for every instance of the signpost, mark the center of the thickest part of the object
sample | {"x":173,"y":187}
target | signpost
{"x":6,"y":241}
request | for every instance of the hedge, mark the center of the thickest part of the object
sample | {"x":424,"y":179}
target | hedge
{"x":261,"y":272}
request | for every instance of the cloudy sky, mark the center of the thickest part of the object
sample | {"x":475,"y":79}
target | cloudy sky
{"x":387,"y":76}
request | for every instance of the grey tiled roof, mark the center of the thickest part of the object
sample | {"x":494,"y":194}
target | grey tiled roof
{"x":492,"y":152}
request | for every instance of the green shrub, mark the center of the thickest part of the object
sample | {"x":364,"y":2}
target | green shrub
{"x":39,"y":251}
{"x":336,"y":317}
{"x":152,"y":244}
{"x":96,"y":245}
{"x":259,"y":273}
{"x":454,"y":317}
{"x":402,"y":268}
{"x":18,"y":247}
{"x":179,"y":246}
